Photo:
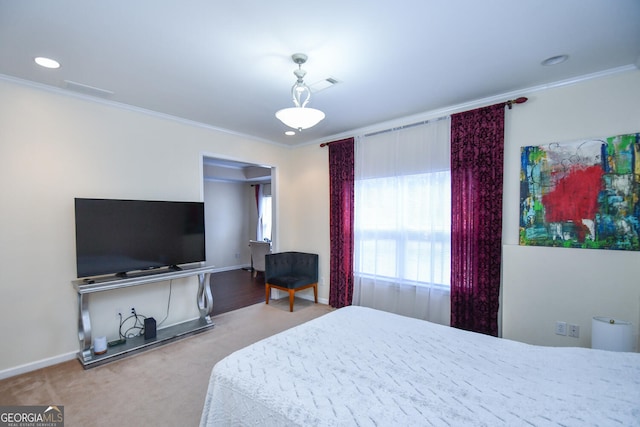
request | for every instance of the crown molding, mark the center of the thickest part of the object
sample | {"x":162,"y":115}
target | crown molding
{"x":470,"y":105}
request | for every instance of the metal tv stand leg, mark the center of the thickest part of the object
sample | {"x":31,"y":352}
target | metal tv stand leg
{"x":205,"y":297}
{"x":84,"y":328}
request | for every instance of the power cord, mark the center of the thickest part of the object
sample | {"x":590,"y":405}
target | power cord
{"x":138,"y":325}
{"x":168,"y":303}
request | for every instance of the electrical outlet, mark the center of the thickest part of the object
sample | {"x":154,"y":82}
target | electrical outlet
{"x":561,"y":328}
{"x":574,"y":330}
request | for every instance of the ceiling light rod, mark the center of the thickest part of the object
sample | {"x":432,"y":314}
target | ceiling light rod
{"x":299,"y":88}
{"x":300,"y":117}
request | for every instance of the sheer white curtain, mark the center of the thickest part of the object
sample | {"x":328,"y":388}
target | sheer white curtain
{"x":264,"y":199}
{"x":403,"y":221}
{"x":260,"y":202}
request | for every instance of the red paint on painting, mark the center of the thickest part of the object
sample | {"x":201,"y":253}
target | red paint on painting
{"x":575,"y":197}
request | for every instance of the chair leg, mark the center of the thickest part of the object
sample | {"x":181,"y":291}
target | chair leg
{"x":292,"y":295}
{"x":315,"y":292}
{"x":268,"y":292}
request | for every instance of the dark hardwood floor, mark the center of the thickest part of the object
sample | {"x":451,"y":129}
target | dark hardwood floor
{"x":235,"y":289}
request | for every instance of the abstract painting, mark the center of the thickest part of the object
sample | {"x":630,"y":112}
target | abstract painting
{"x":582,"y":194}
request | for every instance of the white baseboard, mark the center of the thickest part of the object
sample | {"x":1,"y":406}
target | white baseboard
{"x":28,"y":367}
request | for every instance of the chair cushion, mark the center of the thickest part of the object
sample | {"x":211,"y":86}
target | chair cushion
{"x":291,"y":282}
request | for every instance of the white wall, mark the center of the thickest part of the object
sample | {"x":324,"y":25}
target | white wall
{"x":228,"y":211}
{"x":304,"y":210}
{"x":540,"y":285}
{"x":545,"y":285}
{"x":54,"y":147}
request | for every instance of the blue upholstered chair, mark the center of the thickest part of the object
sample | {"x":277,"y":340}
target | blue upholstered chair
{"x":291,"y":272}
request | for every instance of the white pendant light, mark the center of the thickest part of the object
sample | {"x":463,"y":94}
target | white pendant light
{"x":300,"y":117}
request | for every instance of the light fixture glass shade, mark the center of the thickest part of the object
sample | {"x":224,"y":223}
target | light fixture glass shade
{"x":300,"y":117}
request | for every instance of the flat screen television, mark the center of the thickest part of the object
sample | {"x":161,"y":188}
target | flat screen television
{"x":121,"y":236}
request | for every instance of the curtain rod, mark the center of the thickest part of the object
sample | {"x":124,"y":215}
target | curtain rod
{"x":508,"y":103}
{"x":324,"y":144}
{"x":520,"y":100}
{"x":424,"y":122}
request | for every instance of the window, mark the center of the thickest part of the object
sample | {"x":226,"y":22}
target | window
{"x":266,"y":218}
{"x":264,"y":202}
{"x":403,"y":226}
{"x":402,"y":216}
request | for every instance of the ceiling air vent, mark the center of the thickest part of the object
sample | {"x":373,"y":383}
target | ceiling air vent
{"x":323,"y":84}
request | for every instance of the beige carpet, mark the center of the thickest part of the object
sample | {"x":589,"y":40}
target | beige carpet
{"x":164,"y":386}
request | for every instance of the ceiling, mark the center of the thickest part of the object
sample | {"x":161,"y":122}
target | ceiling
{"x":231,"y":171}
{"x":228,"y":64}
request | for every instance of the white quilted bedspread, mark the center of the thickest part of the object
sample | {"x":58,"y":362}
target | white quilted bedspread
{"x":362,"y":367}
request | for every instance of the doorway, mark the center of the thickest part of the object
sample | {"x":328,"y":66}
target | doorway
{"x":239,"y":207}
{"x":234,"y":193}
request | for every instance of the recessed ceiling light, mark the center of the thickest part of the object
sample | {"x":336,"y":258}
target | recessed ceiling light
{"x":289,"y":133}
{"x":555,"y":60}
{"x":47,"y":62}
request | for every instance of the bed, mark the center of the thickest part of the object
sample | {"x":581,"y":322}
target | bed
{"x":362,"y":367}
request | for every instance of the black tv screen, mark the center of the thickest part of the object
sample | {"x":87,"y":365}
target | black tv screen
{"x":120,"y":236}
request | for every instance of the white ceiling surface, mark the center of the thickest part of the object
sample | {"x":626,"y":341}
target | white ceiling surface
{"x":232,"y":171}
{"x":228,"y":64}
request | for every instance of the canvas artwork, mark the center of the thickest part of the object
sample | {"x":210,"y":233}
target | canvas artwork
{"x":583,"y":194}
